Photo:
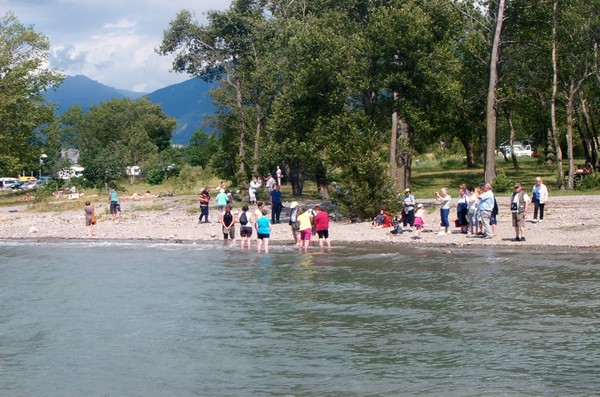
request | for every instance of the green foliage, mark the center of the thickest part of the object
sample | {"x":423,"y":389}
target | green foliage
{"x":201,"y":149}
{"x":591,"y":181}
{"x":23,"y":77}
{"x":155,"y":176}
{"x":502,"y":183}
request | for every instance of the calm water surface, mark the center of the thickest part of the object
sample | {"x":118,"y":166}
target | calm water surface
{"x":110,"y":319}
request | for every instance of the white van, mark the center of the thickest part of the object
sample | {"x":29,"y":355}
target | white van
{"x":8,"y":183}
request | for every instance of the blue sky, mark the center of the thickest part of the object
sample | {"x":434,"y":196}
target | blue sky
{"x":110,"y":41}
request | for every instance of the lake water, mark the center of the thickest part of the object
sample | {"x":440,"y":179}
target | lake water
{"x":112,"y":319}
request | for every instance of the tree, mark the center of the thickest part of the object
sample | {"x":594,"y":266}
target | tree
{"x":120,"y":133}
{"x":23,"y":77}
{"x":492,"y":105}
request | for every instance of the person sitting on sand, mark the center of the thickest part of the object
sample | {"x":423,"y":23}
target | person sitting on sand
{"x":383,"y":220}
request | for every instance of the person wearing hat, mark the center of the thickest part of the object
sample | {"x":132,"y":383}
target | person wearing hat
{"x":408,"y":210}
{"x":294,"y":221}
{"x":518,"y":206}
{"x":270,"y":183}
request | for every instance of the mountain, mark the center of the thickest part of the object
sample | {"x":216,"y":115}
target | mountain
{"x":82,"y":91}
{"x":188,"y":102}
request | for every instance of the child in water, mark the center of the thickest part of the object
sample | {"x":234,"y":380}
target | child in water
{"x":419,"y":220}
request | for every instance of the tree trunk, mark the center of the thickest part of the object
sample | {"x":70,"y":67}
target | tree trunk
{"x":555,"y":132}
{"x":404,"y":154}
{"x":393,"y":140}
{"x":257,"y":133}
{"x":570,"y":109}
{"x":492,"y":104}
{"x":511,"y":140}
{"x":296,"y":173}
{"x":590,"y":133}
{"x":469,"y":151}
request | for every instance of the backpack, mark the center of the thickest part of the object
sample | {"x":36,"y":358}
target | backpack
{"x":243,"y":218}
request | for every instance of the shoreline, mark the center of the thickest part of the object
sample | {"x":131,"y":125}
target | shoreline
{"x":570,"y":225}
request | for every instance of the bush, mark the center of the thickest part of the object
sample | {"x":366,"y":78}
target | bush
{"x":502,"y":183}
{"x":591,"y":181}
{"x":155,"y":176}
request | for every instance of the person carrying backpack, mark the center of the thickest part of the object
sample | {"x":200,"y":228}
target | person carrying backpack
{"x":245,"y":220}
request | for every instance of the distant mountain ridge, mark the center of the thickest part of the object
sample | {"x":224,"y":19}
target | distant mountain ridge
{"x":189,"y":102}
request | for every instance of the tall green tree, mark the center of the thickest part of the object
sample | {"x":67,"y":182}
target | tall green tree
{"x":120,"y":133}
{"x":23,"y":78}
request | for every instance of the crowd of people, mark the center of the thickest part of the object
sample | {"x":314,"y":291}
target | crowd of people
{"x":476,"y":214}
{"x":476,"y":211}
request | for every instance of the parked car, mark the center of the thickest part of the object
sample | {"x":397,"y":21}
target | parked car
{"x":523,"y":151}
{"x":8,"y":183}
{"x":27,"y":178}
{"x":519,"y":150}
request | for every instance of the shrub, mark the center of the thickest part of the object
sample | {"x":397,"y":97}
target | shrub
{"x":502,"y":183}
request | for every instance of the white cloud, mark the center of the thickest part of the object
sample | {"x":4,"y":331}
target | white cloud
{"x":110,"y":41}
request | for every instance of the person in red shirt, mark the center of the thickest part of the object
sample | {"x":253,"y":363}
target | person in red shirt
{"x":321,"y":223}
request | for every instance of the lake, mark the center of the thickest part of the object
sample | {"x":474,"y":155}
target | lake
{"x":153,"y":319}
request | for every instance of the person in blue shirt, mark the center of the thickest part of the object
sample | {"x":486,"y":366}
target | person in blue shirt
{"x":276,"y":204}
{"x":263,"y":231}
{"x":485,"y":207}
{"x":113,"y":199}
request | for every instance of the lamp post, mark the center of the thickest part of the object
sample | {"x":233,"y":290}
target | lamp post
{"x":43,"y":156}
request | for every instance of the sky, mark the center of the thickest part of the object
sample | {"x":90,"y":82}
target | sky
{"x":110,"y":41}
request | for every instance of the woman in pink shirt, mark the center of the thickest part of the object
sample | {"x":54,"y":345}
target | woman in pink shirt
{"x":321,"y":223}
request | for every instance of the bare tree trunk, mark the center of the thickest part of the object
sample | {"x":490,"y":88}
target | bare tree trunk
{"x":570,"y":109}
{"x":404,"y":154}
{"x":511,"y":140}
{"x":492,"y":103}
{"x":555,"y":132}
{"x":257,"y":134}
{"x":590,"y":134}
{"x":393,"y":140}
{"x":469,"y":151}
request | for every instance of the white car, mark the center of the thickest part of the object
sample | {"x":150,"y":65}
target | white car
{"x":519,"y":150}
{"x":522,"y":151}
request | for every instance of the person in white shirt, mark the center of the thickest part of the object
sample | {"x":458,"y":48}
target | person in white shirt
{"x":518,"y":206}
{"x":539,"y":198}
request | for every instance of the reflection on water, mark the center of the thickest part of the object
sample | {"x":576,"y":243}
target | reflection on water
{"x":180,"y":320}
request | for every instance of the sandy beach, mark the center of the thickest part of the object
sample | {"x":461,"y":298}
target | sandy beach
{"x":570,"y":223}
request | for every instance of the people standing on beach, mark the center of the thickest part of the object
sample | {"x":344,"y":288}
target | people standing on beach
{"x":245,"y":220}
{"x":276,"y":204}
{"x":255,"y":184}
{"x":518,"y":206}
{"x":294,"y":221}
{"x":419,"y":220}
{"x":408,"y":209}
{"x":494,"y":218}
{"x":258,"y":211}
{"x":204,"y":203}
{"x":539,"y":197}
{"x":278,"y":175}
{"x":305,"y":220}
{"x":473,"y":216}
{"x":444,"y":198}
{"x":221,"y":201}
{"x":90,"y":218}
{"x":113,"y":199}
{"x":263,"y":231}
{"x":270,"y":183}
{"x":228,"y":225}
{"x":485,"y":207}
{"x":462,"y":210}
{"x":321,"y":223}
